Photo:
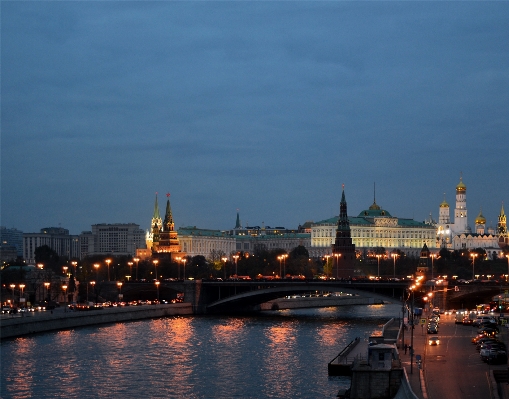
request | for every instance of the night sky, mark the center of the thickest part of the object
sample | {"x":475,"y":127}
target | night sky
{"x":265,"y":107}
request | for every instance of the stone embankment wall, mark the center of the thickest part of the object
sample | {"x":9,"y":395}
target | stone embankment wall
{"x":13,"y":327}
{"x":315,"y":302}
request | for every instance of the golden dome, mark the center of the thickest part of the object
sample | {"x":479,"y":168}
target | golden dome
{"x":444,"y":203}
{"x":461,"y":186}
{"x":480,"y":219}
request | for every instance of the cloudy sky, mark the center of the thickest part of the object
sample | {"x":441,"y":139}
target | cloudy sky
{"x":265,"y":107}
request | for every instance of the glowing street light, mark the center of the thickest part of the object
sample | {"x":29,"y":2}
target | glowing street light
{"x":12,"y":286}
{"x":108,"y":261}
{"x":96,"y":266}
{"x":119,"y":285}
{"x":473,"y":264}
{"x":157,"y":286}
{"x":46,"y":285}
{"x":507,"y":256}
{"x":155,"y":262}
{"x":280,"y":260}
{"x":327,"y":263}
{"x":136,"y":260}
{"x":184,"y":260}
{"x":130,"y":268}
{"x":432,"y":256}
{"x":75,"y":264}
{"x":64,"y":287}
{"x":394,"y":256}
{"x":92,"y":283}
{"x":65,"y":268}
{"x":236,"y":257}
{"x":337,"y":265}
{"x":284,"y":263}
{"x":40,"y":266}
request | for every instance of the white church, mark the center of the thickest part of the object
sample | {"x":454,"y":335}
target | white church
{"x":458,"y":235}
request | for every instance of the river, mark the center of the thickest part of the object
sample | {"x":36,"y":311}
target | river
{"x":277,"y":354}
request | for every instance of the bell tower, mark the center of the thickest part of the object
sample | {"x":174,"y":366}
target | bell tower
{"x":343,"y":250}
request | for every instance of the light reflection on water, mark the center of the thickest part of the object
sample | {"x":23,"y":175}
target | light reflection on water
{"x":281,"y":354}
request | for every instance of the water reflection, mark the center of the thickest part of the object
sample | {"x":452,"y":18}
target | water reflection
{"x":280,"y":354}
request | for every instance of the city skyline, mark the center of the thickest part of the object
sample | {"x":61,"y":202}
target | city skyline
{"x":265,"y":107}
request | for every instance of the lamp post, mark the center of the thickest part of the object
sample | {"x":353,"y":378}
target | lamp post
{"x":108,"y":261}
{"x":178,"y":258}
{"x":473,"y":264}
{"x":184,"y":260}
{"x":96,"y":266}
{"x":119,"y":285}
{"x":40,"y":266}
{"x":136,"y":260}
{"x":507,"y":256}
{"x":22,"y":287}
{"x":130,"y":268}
{"x":64,"y":287}
{"x":337,"y":265}
{"x":284,"y":263}
{"x":412,"y":288}
{"x":155,"y":262}
{"x":327,"y":263}
{"x":394,"y":256}
{"x":280,"y":259}
{"x":65,"y":268}
{"x":236,"y":257}
{"x":157,"y":286}
{"x":75,"y":264}
{"x":46,"y":285}
{"x":92,"y":283}
{"x":224,"y":259}
{"x":12,"y":286}
{"x":432,"y":256}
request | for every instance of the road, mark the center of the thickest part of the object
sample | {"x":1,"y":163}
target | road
{"x":454,"y":369}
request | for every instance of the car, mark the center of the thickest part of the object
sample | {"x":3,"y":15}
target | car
{"x":432,"y":329}
{"x":434,"y":341}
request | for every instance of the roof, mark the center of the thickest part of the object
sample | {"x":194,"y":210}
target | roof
{"x":359,"y":221}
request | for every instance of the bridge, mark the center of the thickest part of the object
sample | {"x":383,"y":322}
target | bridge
{"x":210,"y":296}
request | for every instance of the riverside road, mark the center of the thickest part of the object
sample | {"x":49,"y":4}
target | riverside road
{"x":453,"y":369}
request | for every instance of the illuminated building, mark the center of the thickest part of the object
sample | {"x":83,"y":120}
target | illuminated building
{"x":162,"y":238}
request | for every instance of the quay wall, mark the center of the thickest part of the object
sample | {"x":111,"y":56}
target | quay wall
{"x":59,"y":320}
{"x":316,"y":302}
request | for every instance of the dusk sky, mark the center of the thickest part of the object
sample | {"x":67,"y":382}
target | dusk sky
{"x":265,"y":107}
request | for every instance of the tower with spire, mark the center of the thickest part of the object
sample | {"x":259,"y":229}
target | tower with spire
{"x":168,"y":239}
{"x":502,"y":232}
{"x":343,"y":250}
{"x":460,"y":212}
{"x":156,"y":224}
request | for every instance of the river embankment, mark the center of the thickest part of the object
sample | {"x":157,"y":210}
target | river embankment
{"x":60,"y":319}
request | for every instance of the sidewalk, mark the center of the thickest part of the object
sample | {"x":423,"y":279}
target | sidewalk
{"x":414,"y":373}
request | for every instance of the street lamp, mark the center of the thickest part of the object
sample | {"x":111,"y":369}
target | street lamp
{"x":157,"y":286}
{"x":224,"y":259}
{"x":22,"y":287}
{"x":378,"y":257}
{"x":473,"y":263}
{"x":327,"y":263}
{"x":92,"y":283}
{"x":119,"y":285}
{"x":75,"y":264}
{"x":136,"y":260}
{"x":40,"y":266}
{"x":184,"y":260}
{"x":46,"y":285}
{"x":155,"y":261}
{"x":432,"y":256}
{"x":64,"y":287}
{"x":108,"y":261}
{"x":65,"y":269}
{"x":394,"y":256}
{"x":284,"y":263}
{"x":236,"y":257}
{"x":280,"y":259}
{"x":337,"y":265}
{"x":12,"y":288}
{"x":96,"y":265}
{"x":130,"y":268}
{"x":507,"y":256}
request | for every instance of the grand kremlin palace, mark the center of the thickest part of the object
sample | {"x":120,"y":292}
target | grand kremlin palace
{"x":375,"y":227}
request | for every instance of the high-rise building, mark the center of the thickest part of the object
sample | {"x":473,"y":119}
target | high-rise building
{"x":57,"y":238}
{"x":11,"y":241}
{"x":114,"y":239}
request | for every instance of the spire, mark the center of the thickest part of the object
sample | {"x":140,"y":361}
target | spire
{"x":502,"y":213}
{"x":156,"y":210}
{"x":237,"y":223}
{"x":374,"y":206}
{"x":168,"y":217}
{"x":343,"y":223}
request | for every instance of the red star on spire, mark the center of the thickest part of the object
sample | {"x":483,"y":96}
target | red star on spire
{"x":167,"y":194}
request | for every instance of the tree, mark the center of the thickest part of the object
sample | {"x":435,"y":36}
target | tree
{"x":47,"y":256}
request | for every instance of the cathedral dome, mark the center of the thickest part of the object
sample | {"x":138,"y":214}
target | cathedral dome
{"x":480,"y":219}
{"x":444,"y":204}
{"x":461,"y":186}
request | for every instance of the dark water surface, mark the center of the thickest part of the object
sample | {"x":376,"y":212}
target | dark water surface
{"x":281,"y":354}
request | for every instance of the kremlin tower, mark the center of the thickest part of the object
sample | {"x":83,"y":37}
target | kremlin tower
{"x":343,"y":250}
